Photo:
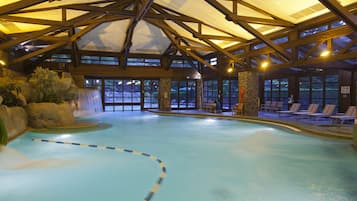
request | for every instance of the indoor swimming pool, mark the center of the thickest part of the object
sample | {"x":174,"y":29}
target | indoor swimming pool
{"x":207,"y":159}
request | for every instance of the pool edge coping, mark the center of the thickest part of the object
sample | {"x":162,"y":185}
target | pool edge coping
{"x":287,"y":125}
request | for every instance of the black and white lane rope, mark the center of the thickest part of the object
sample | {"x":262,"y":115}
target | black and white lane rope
{"x":134,"y":152}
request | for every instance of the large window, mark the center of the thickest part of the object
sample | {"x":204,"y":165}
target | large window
{"x":229,"y":94}
{"x":151,"y":93}
{"x":93,"y":83}
{"x":276,"y":90}
{"x":331,"y":89}
{"x":183,"y":94}
{"x":180,"y":63}
{"x":122,"y":95}
{"x":143,"y":62}
{"x":213,"y":61}
{"x":319,"y":89}
{"x":104,"y":60}
{"x":210,"y":91}
{"x":313,"y":31}
{"x":61,"y":58}
{"x":304,"y":92}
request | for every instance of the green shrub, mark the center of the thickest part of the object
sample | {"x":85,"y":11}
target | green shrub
{"x":3,"y":133}
{"x":46,"y":86}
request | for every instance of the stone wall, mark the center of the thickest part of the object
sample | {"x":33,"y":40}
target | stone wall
{"x":165,"y":94}
{"x":15,"y":120}
{"x":249,"y":81}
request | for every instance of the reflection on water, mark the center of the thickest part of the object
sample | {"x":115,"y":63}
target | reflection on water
{"x":10,"y":159}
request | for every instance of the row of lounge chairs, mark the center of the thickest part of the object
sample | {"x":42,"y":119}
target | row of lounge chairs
{"x":272,"y":106}
{"x":326,"y":112}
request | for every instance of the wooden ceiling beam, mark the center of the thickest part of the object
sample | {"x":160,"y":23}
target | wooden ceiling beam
{"x":255,"y":8}
{"x":170,"y":50}
{"x":169,"y":32}
{"x":55,"y":46}
{"x":232,"y":17}
{"x":197,"y":35}
{"x":59,"y":7}
{"x":348,"y":46}
{"x":145,"y":6}
{"x":4,"y":36}
{"x":127,"y":13}
{"x":52,"y":38}
{"x":18,"y":5}
{"x":327,"y":35}
{"x":214,"y":37}
{"x":198,"y":48}
{"x":335,"y":7}
{"x":28,"y":20}
{"x":188,"y":52}
{"x":163,"y":10}
{"x":325,"y":18}
{"x":101,"y":20}
{"x":207,"y":41}
{"x":312,"y":50}
{"x":317,"y":60}
{"x":61,"y":28}
{"x":264,"y":21}
{"x":27,"y":37}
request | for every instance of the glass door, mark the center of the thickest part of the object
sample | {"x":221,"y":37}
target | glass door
{"x":151,"y":93}
{"x":122,"y":95}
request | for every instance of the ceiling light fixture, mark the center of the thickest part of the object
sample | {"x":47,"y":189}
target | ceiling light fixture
{"x":264,"y":64}
{"x":229,"y":70}
{"x":2,"y":62}
{"x":325,"y":53}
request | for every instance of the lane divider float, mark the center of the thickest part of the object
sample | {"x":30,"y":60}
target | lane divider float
{"x":158,"y":183}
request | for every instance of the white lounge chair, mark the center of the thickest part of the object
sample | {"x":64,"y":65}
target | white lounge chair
{"x":294,"y":108}
{"x":326,"y":112}
{"x":266,"y":106}
{"x":349,"y":115}
{"x":312,"y":109}
{"x":278,"y":106}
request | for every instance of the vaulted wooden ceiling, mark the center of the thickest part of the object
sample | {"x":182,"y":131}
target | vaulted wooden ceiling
{"x":167,"y":27}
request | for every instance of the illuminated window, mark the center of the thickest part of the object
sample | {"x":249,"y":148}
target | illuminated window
{"x":213,"y":61}
{"x":143,"y":62}
{"x":313,"y":31}
{"x":180,"y":63}
{"x":61,"y":58}
{"x":103,"y":60}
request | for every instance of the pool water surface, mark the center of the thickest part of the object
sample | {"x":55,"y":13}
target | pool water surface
{"x":207,"y":159}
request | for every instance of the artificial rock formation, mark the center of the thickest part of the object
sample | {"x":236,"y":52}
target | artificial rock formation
{"x":15,"y":120}
{"x":47,"y":115}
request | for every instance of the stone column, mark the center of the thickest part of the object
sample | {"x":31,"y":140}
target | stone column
{"x":199,"y":87}
{"x":249,"y":81}
{"x":165,"y":94}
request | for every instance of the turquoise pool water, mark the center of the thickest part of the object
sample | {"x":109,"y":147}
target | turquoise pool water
{"x":207,"y":160}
